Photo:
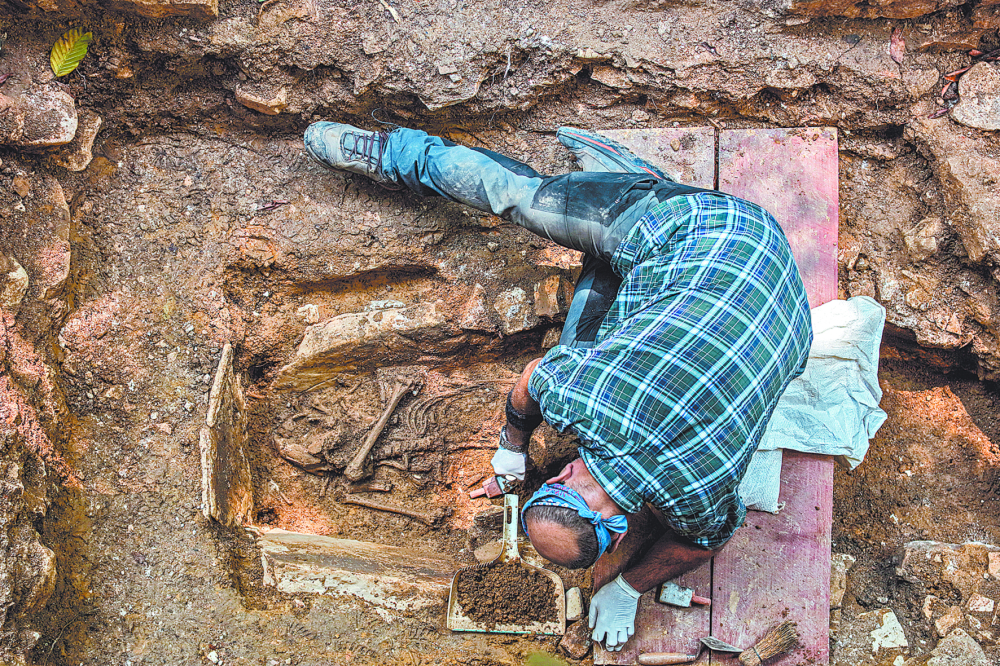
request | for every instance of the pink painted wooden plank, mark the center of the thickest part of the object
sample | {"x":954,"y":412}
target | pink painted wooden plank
{"x":778,"y":567}
{"x":687,"y":154}
{"x":793,"y":174}
{"x":662,"y":628}
{"x":659,"y":628}
{"x":782,"y":568}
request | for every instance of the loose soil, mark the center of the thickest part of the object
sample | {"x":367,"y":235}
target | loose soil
{"x":925,"y":477}
{"x":506,"y":594}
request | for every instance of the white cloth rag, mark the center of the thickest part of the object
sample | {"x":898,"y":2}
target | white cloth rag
{"x":832,"y":407}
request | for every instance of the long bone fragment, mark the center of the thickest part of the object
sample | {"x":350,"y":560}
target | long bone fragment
{"x":357,"y":469}
{"x":422,"y":516}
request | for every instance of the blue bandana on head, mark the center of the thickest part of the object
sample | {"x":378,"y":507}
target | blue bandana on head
{"x":557,"y":494}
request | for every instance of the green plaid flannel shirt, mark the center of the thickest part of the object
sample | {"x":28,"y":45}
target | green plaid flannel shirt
{"x":710,"y":324}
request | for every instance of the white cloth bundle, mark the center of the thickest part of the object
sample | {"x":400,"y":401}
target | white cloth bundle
{"x":832,"y":408}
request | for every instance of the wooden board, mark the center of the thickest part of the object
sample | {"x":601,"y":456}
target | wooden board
{"x":687,"y":154}
{"x":659,"y":628}
{"x":793,"y":174}
{"x":776,"y":567}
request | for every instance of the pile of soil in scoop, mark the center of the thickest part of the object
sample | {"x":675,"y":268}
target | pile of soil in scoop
{"x":507,"y":593}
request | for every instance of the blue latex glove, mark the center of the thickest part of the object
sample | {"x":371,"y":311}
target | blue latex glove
{"x":508,"y":464}
{"x":612,"y":613}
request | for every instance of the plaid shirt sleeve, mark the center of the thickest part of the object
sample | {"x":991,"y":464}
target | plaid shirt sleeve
{"x":710,"y":324}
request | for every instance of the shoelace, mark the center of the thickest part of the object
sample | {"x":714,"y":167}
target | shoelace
{"x":372,"y":145}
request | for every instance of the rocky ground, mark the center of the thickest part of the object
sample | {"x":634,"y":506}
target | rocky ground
{"x":156,"y":205}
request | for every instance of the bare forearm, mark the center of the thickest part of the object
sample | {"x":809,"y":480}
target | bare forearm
{"x":522,"y":401}
{"x":667,"y":559}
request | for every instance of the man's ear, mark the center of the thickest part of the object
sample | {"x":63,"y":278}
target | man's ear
{"x":563,"y":475}
{"x":617,"y":540}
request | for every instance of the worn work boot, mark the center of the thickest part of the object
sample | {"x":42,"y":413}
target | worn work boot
{"x":595,"y":152}
{"x":348,"y":148}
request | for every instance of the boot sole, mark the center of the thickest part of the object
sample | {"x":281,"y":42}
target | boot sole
{"x":608,"y":146}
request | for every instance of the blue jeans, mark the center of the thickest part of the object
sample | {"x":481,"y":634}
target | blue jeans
{"x":583,"y":210}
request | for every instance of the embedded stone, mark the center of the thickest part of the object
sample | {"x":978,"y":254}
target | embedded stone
{"x":961,"y":565}
{"x":921,"y":80}
{"x":574,"y":604}
{"x":869,"y":639}
{"x":966,"y":170}
{"x":13,"y":283}
{"x":979,"y":97}
{"x":980,"y":604}
{"x":389,"y":336}
{"x":889,"y":634}
{"x":309,"y":313}
{"x":42,"y":116}
{"x":576,"y":642}
{"x":488,"y":552}
{"x":547,"y":297}
{"x":473,"y":316}
{"x":958,"y":649}
{"x":944,"y":624}
{"x":515,"y":311}
{"x":922,"y":239}
{"x":399,"y":579}
{"x":271,"y":103}
{"x":226,"y":484}
{"x":78,"y":153}
{"x":611,"y":77}
{"x":37,"y":233}
{"x":21,"y":186}
{"x":840,"y":564}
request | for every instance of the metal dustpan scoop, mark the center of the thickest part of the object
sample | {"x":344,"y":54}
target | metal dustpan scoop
{"x":458,"y":620}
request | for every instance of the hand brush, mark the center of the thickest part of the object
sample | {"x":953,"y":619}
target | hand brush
{"x":779,"y":640}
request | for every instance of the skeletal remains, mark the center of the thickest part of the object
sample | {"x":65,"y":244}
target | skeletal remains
{"x":406,"y":382}
{"x":427,"y":518}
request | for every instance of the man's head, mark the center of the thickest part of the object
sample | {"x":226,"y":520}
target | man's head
{"x":564,"y":518}
{"x":560,"y":535}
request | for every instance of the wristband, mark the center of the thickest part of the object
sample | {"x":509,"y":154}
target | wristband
{"x":505,"y":443}
{"x":523,"y":422}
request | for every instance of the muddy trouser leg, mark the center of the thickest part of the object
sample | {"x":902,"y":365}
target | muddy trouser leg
{"x":586,"y":211}
{"x":595,"y":291}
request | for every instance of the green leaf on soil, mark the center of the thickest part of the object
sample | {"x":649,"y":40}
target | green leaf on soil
{"x":69,"y":50}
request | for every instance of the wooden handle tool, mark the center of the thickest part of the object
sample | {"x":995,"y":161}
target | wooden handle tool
{"x":658,"y":658}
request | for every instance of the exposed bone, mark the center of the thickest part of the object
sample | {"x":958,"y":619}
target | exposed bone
{"x":356,"y":469}
{"x":301,"y":456}
{"x":404,"y":466}
{"x":422,"y":516}
{"x":372,"y":487}
{"x":277,"y":490}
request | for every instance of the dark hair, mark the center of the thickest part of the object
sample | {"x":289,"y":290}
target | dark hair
{"x":583,"y":530}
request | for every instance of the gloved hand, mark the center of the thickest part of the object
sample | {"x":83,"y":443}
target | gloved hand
{"x":612,"y":613}
{"x":507,"y":463}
